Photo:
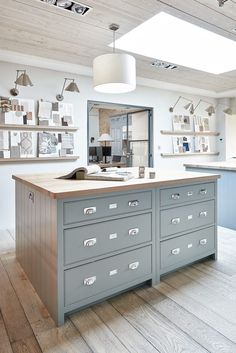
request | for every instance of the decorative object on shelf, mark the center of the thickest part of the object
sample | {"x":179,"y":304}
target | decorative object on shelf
{"x":72,"y":87}
{"x":210,"y":109}
{"x":181,"y":122}
{"x":201,"y":124}
{"x":19,"y":111}
{"x":55,"y":114}
{"x":182,"y":144}
{"x":5,"y":105}
{"x":21,"y":80}
{"x":22,"y":144}
{"x":105,"y":138}
{"x":55,"y":144}
{"x":189,"y":106}
{"x":114,"y":72}
{"x":4,"y":145}
{"x":201,"y":144}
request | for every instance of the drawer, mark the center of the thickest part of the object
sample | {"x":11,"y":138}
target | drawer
{"x":96,"y":239}
{"x":188,"y":193}
{"x":100,"y":276}
{"x":179,"y":251}
{"x":184,"y":218}
{"x":84,"y":210}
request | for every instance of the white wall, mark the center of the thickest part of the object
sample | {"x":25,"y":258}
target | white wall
{"x":47,"y":83}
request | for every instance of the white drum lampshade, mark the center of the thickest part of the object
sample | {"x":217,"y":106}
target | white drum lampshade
{"x":114,"y":73}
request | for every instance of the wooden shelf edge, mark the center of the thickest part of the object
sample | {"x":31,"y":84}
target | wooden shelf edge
{"x":37,"y":127}
{"x":168,"y":155}
{"x":38,"y":159}
{"x":190,"y":133}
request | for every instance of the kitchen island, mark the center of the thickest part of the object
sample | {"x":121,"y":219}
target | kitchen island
{"x":226,"y":188}
{"x":80,"y":242}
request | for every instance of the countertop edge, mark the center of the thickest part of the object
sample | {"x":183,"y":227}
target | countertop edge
{"x":200,"y":166}
{"x":109,"y":189}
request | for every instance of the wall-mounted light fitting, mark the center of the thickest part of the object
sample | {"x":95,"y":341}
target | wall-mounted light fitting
{"x":221,"y":2}
{"x":73,"y":6}
{"x":114,"y":73}
{"x":72,"y":87}
{"x":210,"y":109}
{"x":21,"y":80}
{"x":188,"y":106}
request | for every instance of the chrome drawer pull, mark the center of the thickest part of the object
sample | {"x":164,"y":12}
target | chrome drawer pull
{"x":90,"y":242}
{"x":190,"y":193}
{"x":133,"y":231}
{"x":175,"y":251}
{"x":133,"y":203}
{"x":175,"y":196}
{"x":175,"y":221}
{"x":90,"y":210}
{"x":113,"y":272}
{"x":203,"y":214}
{"x":134,"y":265}
{"x":90,"y":281}
{"x":203,"y":191}
{"x":203,"y":241}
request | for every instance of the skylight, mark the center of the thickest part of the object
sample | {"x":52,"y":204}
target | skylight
{"x":168,"y":38}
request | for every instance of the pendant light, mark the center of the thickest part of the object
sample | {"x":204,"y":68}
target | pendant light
{"x":115,"y":72}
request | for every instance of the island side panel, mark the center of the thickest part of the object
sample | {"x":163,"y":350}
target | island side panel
{"x":36,"y":242}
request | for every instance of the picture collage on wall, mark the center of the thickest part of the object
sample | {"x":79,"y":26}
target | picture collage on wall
{"x":30,"y":144}
{"x":188,"y":143}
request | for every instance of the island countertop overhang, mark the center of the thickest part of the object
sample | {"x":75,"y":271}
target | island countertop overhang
{"x":59,"y":188}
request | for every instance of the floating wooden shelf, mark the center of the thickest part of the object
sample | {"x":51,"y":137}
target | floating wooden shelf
{"x":190,"y":133}
{"x":38,"y":159}
{"x":168,"y":155}
{"x":37,"y":127}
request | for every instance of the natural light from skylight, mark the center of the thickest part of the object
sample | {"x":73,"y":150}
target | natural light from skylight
{"x":165,"y":37}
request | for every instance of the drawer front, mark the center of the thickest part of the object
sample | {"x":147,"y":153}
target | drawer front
{"x":96,"y":239}
{"x":186,"y":247}
{"x":84,"y":210}
{"x":180,"y":219}
{"x":187,"y":193}
{"x":99,"y":276}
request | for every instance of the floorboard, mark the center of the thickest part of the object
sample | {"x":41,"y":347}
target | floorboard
{"x":191,"y":311}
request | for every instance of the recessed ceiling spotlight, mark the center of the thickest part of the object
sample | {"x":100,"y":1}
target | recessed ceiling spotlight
{"x":73,"y":6}
{"x":234,"y":29}
{"x":64,"y":3}
{"x":163,"y":65}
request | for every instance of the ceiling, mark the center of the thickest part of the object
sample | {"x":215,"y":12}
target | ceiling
{"x":35,"y":28}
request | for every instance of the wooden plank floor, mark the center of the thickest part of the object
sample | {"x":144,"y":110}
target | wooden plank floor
{"x":191,"y":311}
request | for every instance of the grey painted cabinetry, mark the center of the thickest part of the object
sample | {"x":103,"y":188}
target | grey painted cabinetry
{"x":86,"y":249}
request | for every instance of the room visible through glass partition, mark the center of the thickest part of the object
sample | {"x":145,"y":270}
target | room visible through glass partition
{"x":119,"y":135}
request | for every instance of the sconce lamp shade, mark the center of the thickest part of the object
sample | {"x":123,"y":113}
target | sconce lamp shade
{"x":105,"y":138}
{"x":23,"y":80}
{"x":114,"y":73}
{"x":228,"y":111}
{"x":72,"y":87}
{"x":210,"y":110}
{"x":189,"y":107}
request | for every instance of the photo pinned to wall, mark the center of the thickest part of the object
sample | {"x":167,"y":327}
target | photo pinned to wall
{"x":201,"y":124}
{"x":55,"y":144}
{"x":181,"y":123}
{"x":202,"y":144}
{"x":20,"y":112}
{"x":182,"y":144}
{"x":55,"y":114}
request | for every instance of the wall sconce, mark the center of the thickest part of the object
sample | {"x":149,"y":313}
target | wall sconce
{"x":72,"y":87}
{"x":210,"y":110}
{"x":227,"y":110}
{"x":21,"y":80}
{"x":189,"y":106}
